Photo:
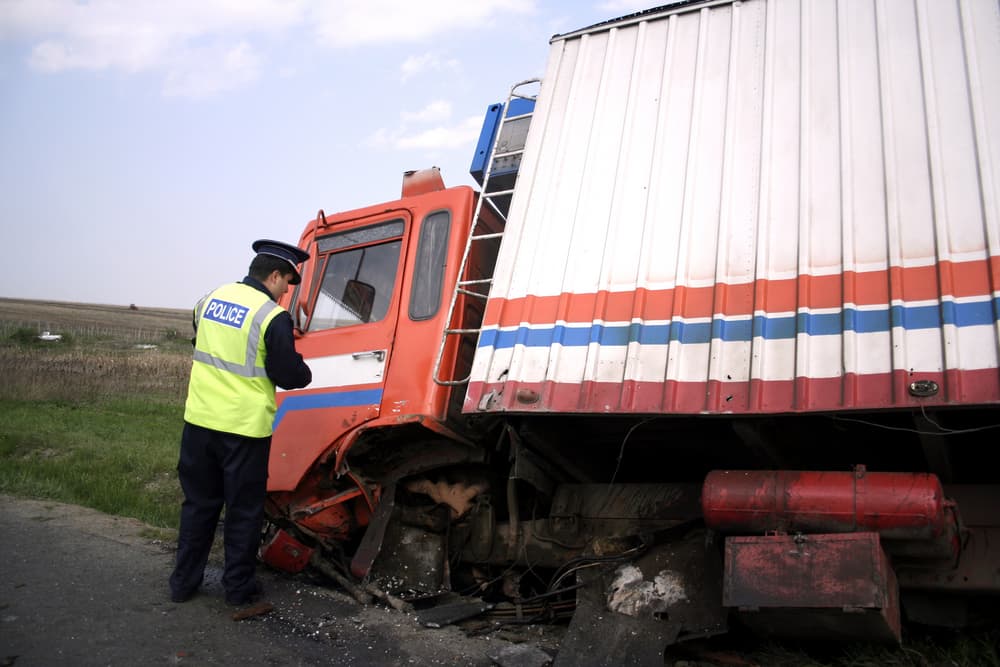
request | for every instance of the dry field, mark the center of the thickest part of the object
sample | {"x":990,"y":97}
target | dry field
{"x":106,"y":351}
{"x":84,"y":319}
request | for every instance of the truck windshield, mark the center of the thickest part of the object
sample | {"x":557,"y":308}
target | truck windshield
{"x":359,"y":275}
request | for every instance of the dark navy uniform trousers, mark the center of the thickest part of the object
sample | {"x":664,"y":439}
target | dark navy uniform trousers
{"x":217,"y":469}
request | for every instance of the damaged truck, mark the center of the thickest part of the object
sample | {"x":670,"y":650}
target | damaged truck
{"x":714,"y":343}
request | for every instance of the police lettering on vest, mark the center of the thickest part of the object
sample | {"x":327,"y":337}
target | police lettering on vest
{"x":224,"y":312}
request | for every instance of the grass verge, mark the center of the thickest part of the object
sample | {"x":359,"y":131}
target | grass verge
{"x":114,"y":455}
{"x":93,"y":422}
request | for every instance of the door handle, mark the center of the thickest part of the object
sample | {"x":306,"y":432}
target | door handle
{"x":378,"y":354}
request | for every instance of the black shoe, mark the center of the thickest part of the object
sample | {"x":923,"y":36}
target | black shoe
{"x":245,"y":597}
{"x":182,"y":597}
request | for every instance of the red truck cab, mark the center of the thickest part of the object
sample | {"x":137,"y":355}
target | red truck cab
{"x":369,"y":316}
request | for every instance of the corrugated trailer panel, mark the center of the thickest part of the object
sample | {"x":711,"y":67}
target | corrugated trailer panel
{"x":758,"y":206}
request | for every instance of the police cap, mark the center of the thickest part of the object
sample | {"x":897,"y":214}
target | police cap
{"x":291,"y":254}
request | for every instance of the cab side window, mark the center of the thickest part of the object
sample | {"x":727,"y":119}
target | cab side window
{"x":358,"y":277}
{"x":428,"y":274}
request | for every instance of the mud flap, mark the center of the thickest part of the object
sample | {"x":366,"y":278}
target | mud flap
{"x":627,"y":614}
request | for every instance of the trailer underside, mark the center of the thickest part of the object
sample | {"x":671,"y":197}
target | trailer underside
{"x":817,"y":526}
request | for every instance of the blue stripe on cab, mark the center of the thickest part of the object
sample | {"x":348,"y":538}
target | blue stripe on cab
{"x":333,"y":399}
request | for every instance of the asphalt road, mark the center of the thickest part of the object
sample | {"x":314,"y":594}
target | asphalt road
{"x":83,"y":588}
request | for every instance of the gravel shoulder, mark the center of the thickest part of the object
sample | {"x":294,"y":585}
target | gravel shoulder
{"x":85,"y":588}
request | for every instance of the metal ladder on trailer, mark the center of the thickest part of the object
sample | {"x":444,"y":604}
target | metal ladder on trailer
{"x":468,"y":287}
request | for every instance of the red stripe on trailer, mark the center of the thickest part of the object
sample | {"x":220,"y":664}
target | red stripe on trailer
{"x":861,"y":288}
{"x":850,"y":391}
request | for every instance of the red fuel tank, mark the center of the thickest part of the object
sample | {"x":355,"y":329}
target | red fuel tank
{"x":898,"y":506}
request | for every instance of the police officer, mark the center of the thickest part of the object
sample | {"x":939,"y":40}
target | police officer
{"x":243,"y":348}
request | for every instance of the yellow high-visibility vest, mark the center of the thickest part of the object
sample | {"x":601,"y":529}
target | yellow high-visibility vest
{"x":229,"y":389}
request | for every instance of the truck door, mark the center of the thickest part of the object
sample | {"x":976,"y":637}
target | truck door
{"x":348,"y":318}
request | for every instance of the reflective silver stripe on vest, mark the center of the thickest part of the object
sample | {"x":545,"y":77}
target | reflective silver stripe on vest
{"x":249,"y":368}
{"x":197,"y":312}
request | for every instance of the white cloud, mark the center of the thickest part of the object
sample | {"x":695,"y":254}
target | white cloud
{"x":427,"y":62}
{"x":118,"y":18}
{"x":416,"y":64}
{"x":201,"y":46}
{"x":437,"y":110}
{"x":440,"y":137}
{"x":102,"y":33}
{"x":24,"y":17}
{"x":461,"y":135}
{"x":413,"y":131}
{"x":383,"y":138}
{"x":135,"y":35}
{"x":342,"y":23}
{"x":142,"y":50}
{"x":153,"y":35}
{"x":205,"y":72}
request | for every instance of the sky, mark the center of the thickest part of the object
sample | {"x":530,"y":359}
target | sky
{"x":145,"y":144}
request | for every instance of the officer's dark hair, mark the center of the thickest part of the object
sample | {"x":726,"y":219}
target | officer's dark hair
{"x":262,"y":266}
